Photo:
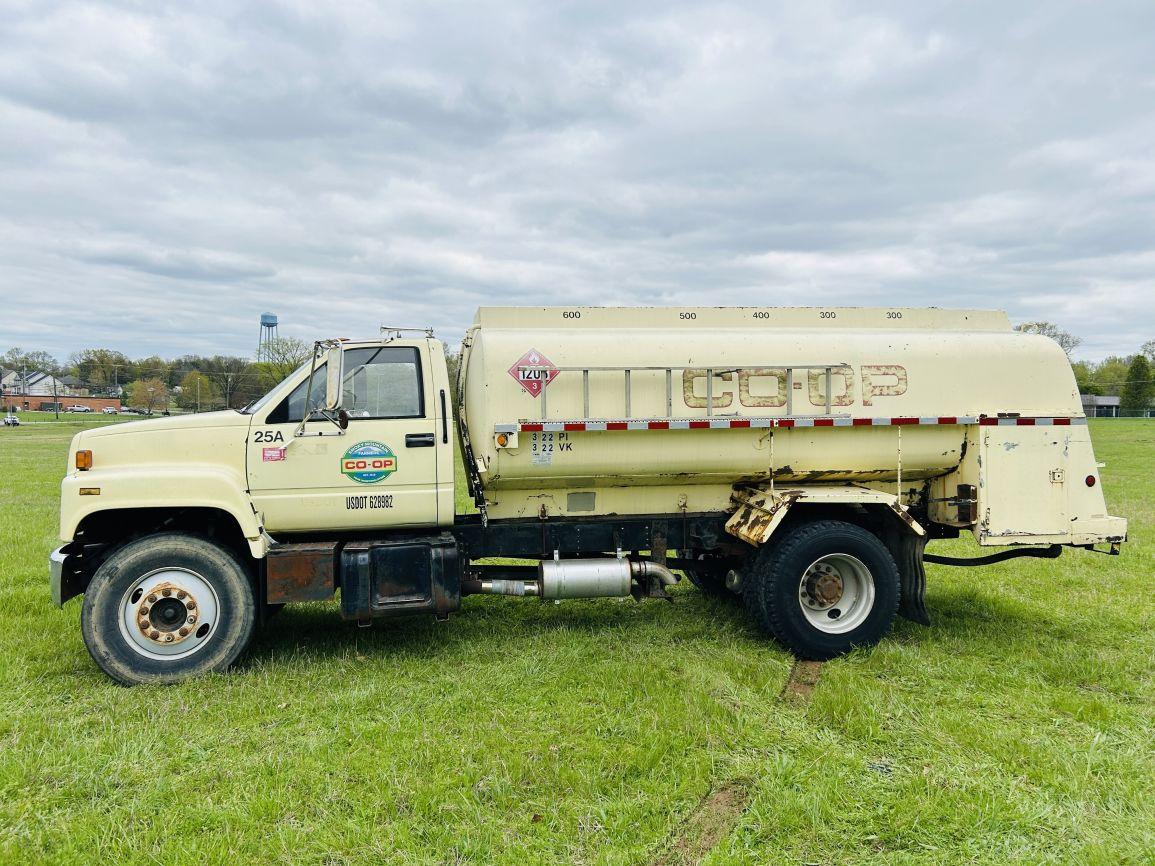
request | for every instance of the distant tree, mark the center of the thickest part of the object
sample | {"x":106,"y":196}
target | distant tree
{"x":148,"y":394}
{"x":149,"y":368}
{"x":1085,"y":378}
{"x":234,"y":377}
{"x":197,"y":391}
{"x":104,"y":368}
{"x":1137,"y":389}
{"x":1067,"y":341}
{"x":1111,"y":374}
{"x":280,"y":357}
{"x":34,"y":361}
{"x":1148,"y":349}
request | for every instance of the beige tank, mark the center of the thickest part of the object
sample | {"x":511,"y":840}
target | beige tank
{"x":603,"y":397}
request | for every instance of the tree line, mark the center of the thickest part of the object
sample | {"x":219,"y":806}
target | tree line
{"x":199,"y":382}
{"x":193,"y":382}
{"x":1128,"y":377}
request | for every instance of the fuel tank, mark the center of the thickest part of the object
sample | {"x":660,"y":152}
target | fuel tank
{"x":571,"y":399}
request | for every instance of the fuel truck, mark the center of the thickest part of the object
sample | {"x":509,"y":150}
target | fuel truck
{"x":799,"y":459}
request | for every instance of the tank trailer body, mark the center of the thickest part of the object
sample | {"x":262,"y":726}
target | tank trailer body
{"x":798,"y":458}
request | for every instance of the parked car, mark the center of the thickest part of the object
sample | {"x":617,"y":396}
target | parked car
{"x":11,"y":420}
{"x":79,"y":409}
{"x":108,"y":410}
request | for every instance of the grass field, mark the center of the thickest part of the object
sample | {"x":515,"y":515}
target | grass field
{"x":1019,"y":728}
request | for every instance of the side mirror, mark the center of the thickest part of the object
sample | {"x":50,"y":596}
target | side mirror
{"x":342,"y":419}
{"x":334,"y":377}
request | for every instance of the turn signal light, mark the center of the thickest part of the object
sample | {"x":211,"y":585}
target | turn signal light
{"x":83,"y":460}
{"x":502,"y":440}
{"x":1090,"y":480}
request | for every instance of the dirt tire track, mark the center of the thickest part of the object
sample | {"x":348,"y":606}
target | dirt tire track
{"x":801,"y":682}
{"x":709,"y":823}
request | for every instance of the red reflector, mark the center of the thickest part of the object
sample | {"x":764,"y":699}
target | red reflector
{"x":1063,"y":422}
{"x":989,"y":422}
{"x":823,"y":422}
{"x":659,"y":425}
{"x":699,"y":425}
{"x":1090,"y":480}
{"x":740,"y":422}
{"x":862,"y":422}
{"x":786,"y":422}
{"x":616,"y":425}
{"x":575,"y":425}
{"x":1025,"y":422}
{"x":948,"y":419}
{"x":903,"y":420}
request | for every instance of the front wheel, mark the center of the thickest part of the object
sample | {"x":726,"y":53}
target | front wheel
{"x":825,"y":588}
{"x":165,"y":608}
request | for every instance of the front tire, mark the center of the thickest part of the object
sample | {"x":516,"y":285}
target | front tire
{"x":824,"y":589}
{"x":165,"y":608}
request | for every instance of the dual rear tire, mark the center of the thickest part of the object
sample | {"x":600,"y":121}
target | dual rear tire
{"x":823,"y":589}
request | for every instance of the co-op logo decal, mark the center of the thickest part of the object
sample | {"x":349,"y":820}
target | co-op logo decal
{"x":368,"y":462}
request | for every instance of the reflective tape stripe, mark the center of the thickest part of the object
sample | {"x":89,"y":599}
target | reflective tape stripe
{"x":784,"y":423}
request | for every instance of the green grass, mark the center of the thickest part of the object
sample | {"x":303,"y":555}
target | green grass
{"x":1019,"y":728}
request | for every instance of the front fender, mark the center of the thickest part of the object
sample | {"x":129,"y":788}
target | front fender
{"x":83,"y":494}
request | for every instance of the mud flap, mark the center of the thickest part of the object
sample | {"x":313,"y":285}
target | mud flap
{"x":907,"y":549}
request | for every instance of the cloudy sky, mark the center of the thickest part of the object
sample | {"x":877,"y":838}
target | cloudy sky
{"x":170,"y":171}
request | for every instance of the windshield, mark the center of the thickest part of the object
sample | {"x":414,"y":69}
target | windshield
{"x":259,"y":404}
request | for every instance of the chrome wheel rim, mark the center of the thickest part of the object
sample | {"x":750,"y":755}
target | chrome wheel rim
{"x":836,"y":593}
{"x":169,"y":614}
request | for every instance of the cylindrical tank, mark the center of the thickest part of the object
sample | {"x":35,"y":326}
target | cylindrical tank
{"x":567,"y":366}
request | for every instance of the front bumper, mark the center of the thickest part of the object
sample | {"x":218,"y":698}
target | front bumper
{"x":62,"y":576}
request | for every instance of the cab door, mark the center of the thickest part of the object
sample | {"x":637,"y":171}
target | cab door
{"x":380,"y":472}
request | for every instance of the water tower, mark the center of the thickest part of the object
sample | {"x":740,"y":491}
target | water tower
{"x":268,"y":333}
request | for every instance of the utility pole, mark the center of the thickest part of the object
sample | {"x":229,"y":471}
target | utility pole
{"x":55,"y":399}
{"x":198,"y":392}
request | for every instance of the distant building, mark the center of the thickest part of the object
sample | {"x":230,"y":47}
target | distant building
{"x":34,"y":384}
{"x":1100,"y":407}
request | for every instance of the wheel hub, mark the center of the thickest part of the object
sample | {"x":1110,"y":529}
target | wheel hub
{"x":823,"y":586}
{"x":167,"y":615}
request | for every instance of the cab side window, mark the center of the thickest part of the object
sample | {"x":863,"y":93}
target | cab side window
{"x":382,"y":382}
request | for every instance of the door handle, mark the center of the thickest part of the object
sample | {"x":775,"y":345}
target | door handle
{"x":420,"y":440}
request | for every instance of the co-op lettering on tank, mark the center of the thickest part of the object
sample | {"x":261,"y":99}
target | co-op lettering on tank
{"x":757,"y":387}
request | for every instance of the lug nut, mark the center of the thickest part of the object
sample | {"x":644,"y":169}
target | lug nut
{"x":181,"y":594}
{"x":192,"y":618}
{"x":183,"y":632}
{"x":166,"y":592}
{"x":168,"y":638}
{"x":144,"y":625}
{"x":144,"y":610}
{"x":152,"y":599}
{"x":155,"y":635}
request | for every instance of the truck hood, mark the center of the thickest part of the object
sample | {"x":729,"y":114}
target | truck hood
{"x":200,"y":421}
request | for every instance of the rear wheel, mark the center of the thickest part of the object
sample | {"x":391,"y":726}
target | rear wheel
{"x":823,"y":589}
{"x":165,"y":608}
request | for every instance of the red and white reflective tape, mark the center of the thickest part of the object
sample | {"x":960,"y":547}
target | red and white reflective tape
{"x":744,"y":423}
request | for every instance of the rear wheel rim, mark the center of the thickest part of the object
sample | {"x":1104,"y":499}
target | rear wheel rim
{"x":169,"y":614}
{"x":836,"y":593}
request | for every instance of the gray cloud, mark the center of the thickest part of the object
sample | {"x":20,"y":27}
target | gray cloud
{"x":168,"y":172}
